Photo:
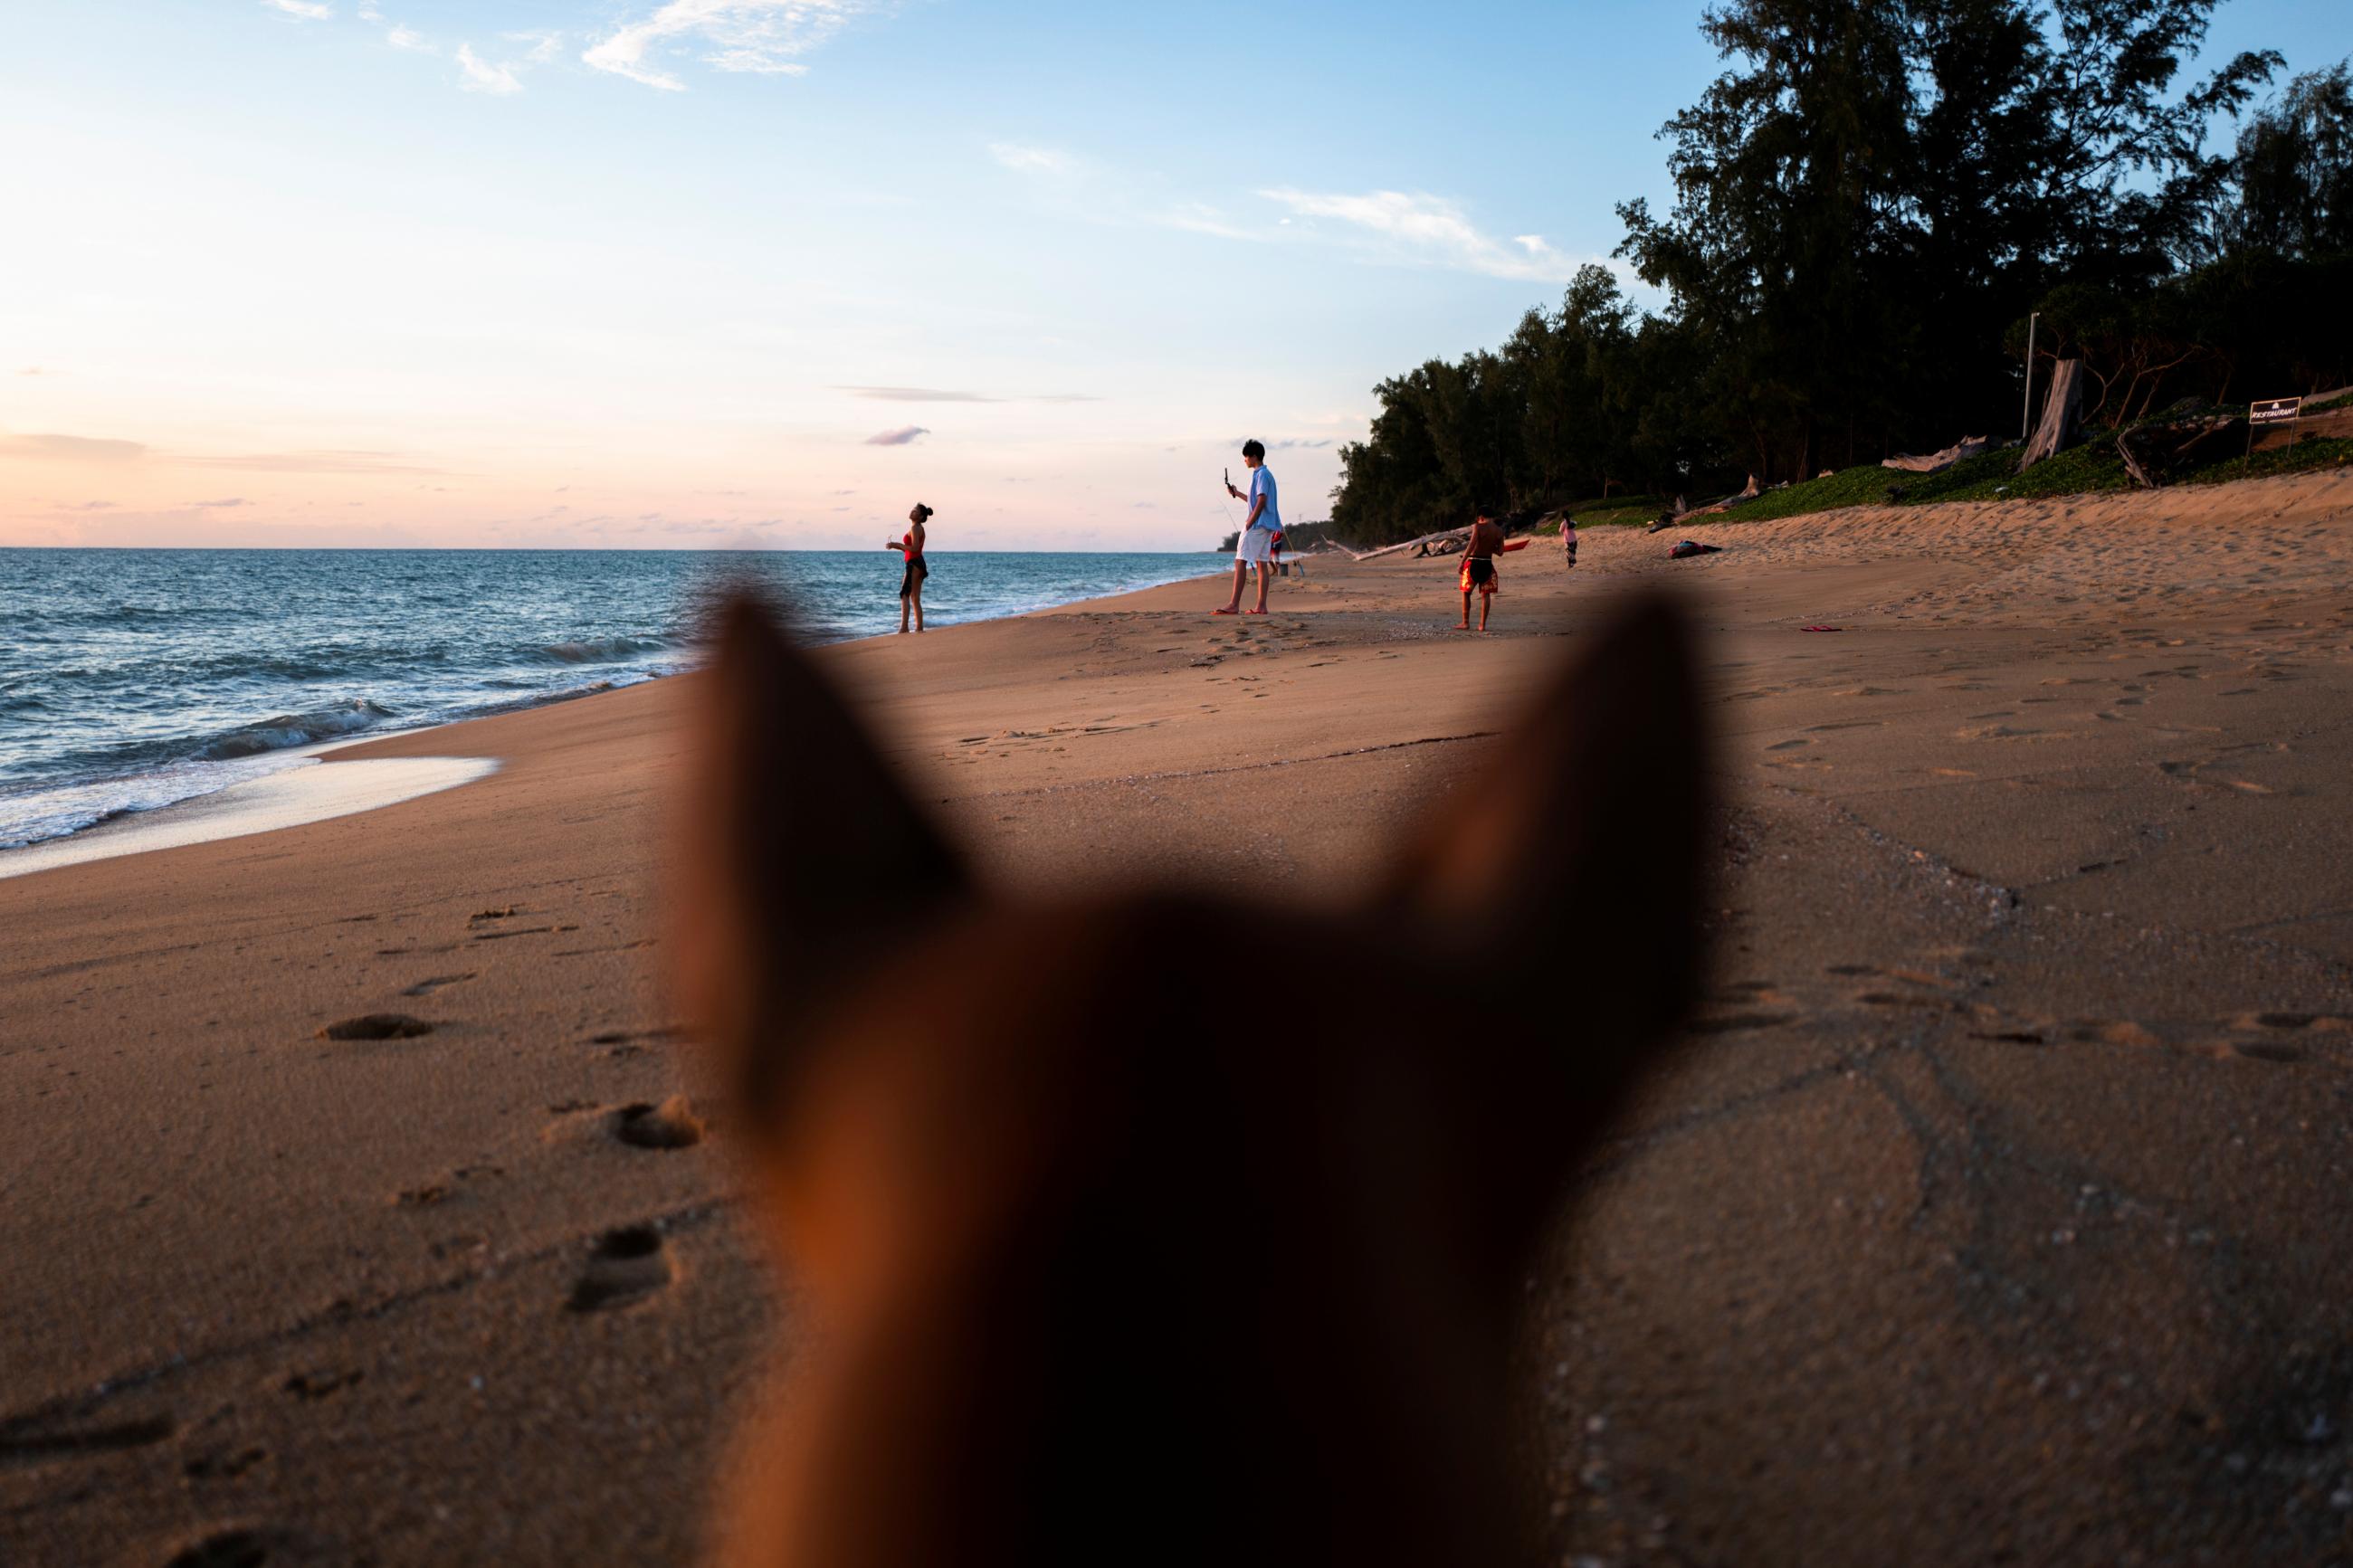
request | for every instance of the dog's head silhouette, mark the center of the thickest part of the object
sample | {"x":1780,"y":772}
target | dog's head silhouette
{"x":1122,"y":1251}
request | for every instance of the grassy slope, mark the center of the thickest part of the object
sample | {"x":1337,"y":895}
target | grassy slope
{"x":2091,"y":467}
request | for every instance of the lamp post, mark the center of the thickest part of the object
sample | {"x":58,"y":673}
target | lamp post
{"x":2026,"y":411}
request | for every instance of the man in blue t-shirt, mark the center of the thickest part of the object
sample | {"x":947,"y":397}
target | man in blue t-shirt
{"x":1259,"y":529}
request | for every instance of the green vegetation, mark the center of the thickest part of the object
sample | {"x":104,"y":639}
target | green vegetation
{"x":1992,"y":475}
{"x":2303,"y":458}
{"x":1868,"y":204}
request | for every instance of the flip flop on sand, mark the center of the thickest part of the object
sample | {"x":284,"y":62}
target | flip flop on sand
{"x":1225,"y":612}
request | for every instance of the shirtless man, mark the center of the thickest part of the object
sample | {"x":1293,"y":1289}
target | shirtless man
{"x":1479,"y":573}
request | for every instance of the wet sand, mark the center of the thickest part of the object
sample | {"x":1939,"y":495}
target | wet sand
{"x":1996,"y":1208}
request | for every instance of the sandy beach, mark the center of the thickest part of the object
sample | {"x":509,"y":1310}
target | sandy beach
{"x":1996,"y":1208}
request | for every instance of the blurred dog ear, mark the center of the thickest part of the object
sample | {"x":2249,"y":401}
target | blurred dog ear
{"x":1582,"y":857}
{"x":802,"y":854}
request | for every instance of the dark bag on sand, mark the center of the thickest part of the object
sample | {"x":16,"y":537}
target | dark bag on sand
{"x":1689,"y":548}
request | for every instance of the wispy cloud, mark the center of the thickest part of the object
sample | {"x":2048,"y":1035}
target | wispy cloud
{"x":543,"y":44}
{"x":72,"y":449}
{"x":482,"y":76}
{"x":917,"y":395}
{"x":945,"y":394}
{"x":1199,"y":218}
{"x":325,"y":462}
{"x":33,"y":370}
{"x":1028,"y":160}
{"x":763,"y":37}
{"x":904,"y":436}
{"x":1431,"y":231}
{"x":230,"y":503}
{"x":307,"y":10}
{"x":408,"y":38}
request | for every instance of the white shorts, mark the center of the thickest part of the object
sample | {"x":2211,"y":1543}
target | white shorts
{"x":1257,"y":544}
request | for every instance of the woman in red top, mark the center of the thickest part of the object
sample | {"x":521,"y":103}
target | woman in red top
{"x":911,"y":582}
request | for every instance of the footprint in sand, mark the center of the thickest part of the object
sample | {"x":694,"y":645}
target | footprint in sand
{"x":1738,"y":1023}
{"x":426,"y":987}
{"x":626,"y":1266}
{"x":223,"y":1465}
{"x":313,"y":1386}
{"x":231,"y":1549}
{"x":1894,"y":999}
{"x":2270,"y":1051}
{"x":672,"y":1125}
{"x":626,"y":1036}
{"x":1788,"y":745}
{"x":433,"y":1194}
{"x":2322,"y":1022}
{"x":2112,"y":1032}
{"x":376,"y":1026}
{"x":1747,"y":990}
{"x":42,"y":1445}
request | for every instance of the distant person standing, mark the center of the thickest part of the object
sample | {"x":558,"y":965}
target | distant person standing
{"x":1569,"y":538}
{"x":1479,"y":573}
{"x":1256,"y":545}
{"x":910,"y":581}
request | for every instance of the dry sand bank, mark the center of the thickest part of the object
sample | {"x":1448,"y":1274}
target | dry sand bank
{"x":1999,"y":1205}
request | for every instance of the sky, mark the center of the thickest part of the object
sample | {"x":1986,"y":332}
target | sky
{"x":685,"y":274}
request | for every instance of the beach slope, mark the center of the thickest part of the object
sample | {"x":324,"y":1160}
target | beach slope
{"x":363,"y":1202}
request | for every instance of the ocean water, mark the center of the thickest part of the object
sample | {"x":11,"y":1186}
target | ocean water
{"x":134,"y":679}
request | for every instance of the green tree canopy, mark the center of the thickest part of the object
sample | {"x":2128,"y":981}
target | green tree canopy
{"x":1869,"y":201}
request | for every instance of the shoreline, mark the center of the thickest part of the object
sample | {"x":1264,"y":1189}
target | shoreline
{"x":181,"y":806}
{"x":288,"y":798}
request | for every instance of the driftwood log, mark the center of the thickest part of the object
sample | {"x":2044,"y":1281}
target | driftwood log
{"x":1427,"y":539}
{"x":1447,"y":541}
{"x":1961,"y":451}
{"x":2059,"y":412}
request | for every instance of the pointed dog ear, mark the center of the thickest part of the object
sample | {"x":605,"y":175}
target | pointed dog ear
{"x":802,"y":852}
{"x":1582,"y":856}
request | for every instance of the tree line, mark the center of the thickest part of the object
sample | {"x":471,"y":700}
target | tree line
{"x":1869,"y":204}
